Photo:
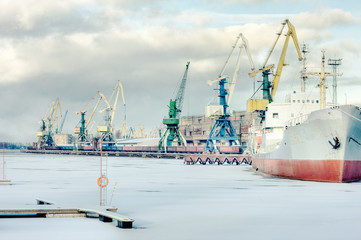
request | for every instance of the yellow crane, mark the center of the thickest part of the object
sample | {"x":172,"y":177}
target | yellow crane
{"x":106,"y":131}
{"x":123,"y":130}
{"x":116,"y":90}
{"x":54,"y":112}
{"x":270,"y":89}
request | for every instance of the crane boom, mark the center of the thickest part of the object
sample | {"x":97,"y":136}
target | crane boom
{"x":118,"y":88}
{"x":291,"y":32}
{"x":246,"y":46}
{"x":96,"y":106}
{"x":269,"y":90}
{"x":232,"y":84}
{"x":180,"y":93}
{"x":54,"y":113}
{"x":253,"y":74}
{"x":101,"y":96}
{"x":62,"y":123}
{"x":274,"y":45}
{"x":230,"y":54}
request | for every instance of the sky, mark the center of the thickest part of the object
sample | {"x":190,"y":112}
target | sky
{"x":72,"y":49}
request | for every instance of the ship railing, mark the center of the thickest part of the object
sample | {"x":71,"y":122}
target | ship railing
{"x":297,"y":120}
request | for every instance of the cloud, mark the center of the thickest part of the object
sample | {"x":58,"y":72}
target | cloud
{"x":248,"y":2}
{"x":326,"y":18}
{"x":72,"y":49}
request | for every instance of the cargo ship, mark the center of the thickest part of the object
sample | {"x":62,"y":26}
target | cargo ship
{"x":305,"y":138}
{"x":326,"y":146}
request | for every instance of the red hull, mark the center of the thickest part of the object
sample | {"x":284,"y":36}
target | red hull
{"x":315,"y":170}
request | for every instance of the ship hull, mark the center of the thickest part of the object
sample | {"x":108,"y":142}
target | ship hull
{"x":312,"y":170}
{"x":326,"y":147}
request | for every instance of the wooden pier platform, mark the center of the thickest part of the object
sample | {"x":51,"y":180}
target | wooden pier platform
{"x":219,"y":159}
{"x":48,"y":209}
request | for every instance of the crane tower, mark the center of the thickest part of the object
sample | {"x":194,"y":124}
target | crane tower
{"x":223,"y":130}
{"x":172,"y":132}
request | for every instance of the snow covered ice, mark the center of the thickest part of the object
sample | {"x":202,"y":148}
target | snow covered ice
{"x":170,"y":200}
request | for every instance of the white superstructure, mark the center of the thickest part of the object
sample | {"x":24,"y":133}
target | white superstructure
{"x":279,"y":116}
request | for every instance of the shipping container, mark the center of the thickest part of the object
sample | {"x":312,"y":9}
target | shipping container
{"x":65,"y":147}
{"x":191,"y":149}
{"x":200,"y":149}
{"x":154,"y":149}
{"x":181,"y":149}
{"x":229,"y":149}
{"x":171,"y":149}
{"x":128,"y":148}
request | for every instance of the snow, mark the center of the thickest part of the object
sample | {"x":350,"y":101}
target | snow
{"x":170,"y":200}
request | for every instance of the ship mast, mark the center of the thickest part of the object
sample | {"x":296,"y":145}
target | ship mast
{"x":322,"y":75}
{"x":304,"y":68}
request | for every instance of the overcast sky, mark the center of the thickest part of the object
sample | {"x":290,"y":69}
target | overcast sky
{"x":72,"y":49}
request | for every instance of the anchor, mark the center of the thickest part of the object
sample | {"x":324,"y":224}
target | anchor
{"x":337,"y":143}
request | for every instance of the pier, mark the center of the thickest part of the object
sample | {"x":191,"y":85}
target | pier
{"x":48,"y":209}
{"x":110,"y":153}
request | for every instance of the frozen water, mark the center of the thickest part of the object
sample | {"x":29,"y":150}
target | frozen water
{"x":170,"y":200}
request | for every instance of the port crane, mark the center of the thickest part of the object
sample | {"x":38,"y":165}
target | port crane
{"x":44,"y":136}
{"x":223,"y":130}
{"x":231,"y":85}
{"x":83,"y":137}
{"x":269,"y":89}
{"x":172,"y":132}
{"x":123,"y":130}
{"x":60,"y":129}
{"x":106,"y":131}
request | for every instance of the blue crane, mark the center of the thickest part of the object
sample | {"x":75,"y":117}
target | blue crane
{"x":223,"y":129}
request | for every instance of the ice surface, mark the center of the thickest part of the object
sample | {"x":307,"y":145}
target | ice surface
{"x":170,"y":200}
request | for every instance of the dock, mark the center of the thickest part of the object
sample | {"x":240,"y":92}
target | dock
{"x":48,"y":209}
{"x":109,"y":153}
